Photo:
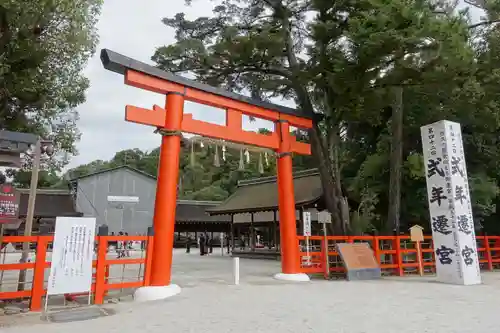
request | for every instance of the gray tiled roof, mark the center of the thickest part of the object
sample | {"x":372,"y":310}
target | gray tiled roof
{"x":261,"y":194}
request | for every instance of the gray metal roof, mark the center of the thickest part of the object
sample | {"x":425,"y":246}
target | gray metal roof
{"x":187,"y":211}
{"x":114,"y":169}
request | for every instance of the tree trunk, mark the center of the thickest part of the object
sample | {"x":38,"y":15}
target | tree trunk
{"x":334,"y":138}
{"x":319,"y":147}
{"x":332,"y":201}
{"x":329,"y":174}
{"x":396,"y":161}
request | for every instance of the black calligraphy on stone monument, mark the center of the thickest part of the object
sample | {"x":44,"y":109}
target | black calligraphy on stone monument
{"x":431,"y":137}
{"x":433,"y":165}
{"x":437,"y":195}
{"x":463,"y":224}
{"x":456,"y":166}
{"x":459,"y":194}
{"x":440,"y":224}
{"x":444,"y":254}
{"x":467,"y":253}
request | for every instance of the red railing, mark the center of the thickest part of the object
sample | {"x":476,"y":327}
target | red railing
{"x":397,"y":255}
{"x":101,"y":278}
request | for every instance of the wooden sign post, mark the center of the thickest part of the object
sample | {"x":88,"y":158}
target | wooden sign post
{"x":417,"y":235}
{"x":221,"y":237}
{"x":306,"y":221}
{"x":325,"y":218}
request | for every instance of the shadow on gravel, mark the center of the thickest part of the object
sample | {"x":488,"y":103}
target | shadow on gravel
{"x":77,"y":314}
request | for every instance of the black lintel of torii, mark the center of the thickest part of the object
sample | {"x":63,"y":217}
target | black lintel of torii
{"x":119,"y":63}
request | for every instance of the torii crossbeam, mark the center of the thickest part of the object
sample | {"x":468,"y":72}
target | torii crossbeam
{"x":171,"y":121}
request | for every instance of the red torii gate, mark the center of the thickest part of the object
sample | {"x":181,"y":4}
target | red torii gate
{"x":170,"y":122}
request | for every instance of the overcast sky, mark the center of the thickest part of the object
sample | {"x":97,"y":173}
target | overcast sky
{"x":133,"y":28}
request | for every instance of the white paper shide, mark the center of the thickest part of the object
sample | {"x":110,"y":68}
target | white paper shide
{"x":72,"y":255}
{"x":450,"y":207}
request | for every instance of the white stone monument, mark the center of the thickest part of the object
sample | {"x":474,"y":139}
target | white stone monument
{"x":450,"y":207}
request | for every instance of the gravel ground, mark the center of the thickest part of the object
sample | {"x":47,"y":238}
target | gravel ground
{"x":208,"y":303}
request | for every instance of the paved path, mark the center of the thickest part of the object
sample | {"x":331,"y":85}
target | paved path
{"x":209,"y":304}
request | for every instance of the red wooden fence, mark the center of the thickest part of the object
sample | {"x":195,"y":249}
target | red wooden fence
{"x":397,"y":255}
{"x":100,"y":285}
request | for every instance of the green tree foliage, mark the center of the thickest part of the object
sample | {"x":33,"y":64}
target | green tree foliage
{"x":343,"y":59}
{"x":46,"y":179}
{"x":44,"y":45}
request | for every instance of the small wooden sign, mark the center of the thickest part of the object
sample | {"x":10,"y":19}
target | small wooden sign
{"x":324,"y":217}
{"x":417,"y":233}
{"x":417,"y":236}
{"x":359,"y":261}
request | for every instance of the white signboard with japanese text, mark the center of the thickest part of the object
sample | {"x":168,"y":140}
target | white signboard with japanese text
{"x":307,"y":223}
{"x":72,"y":255}
{"x":450,"y":207}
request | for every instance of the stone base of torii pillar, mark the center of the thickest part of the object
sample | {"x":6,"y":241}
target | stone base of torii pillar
{"x":298,"y":277}
{"x":154,"y":293}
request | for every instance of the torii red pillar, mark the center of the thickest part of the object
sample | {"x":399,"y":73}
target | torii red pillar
{"x":288,"y":230}
{"x":166,"y":191}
